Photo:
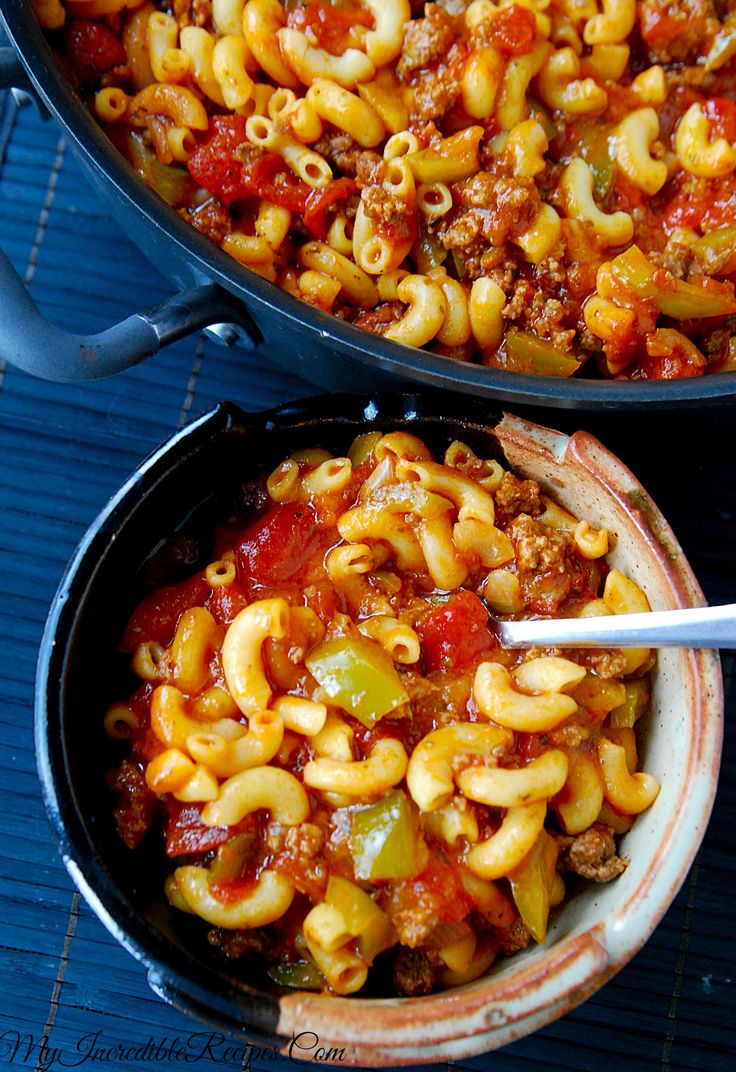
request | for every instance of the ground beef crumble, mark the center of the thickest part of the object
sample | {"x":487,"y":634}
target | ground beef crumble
{"x":136,"y":802}
{"x":592,"y":854}
{"x":491,"y":209}
{"x":514,"y":938}
{"x":514,"y":496}
{"x":548,"y":569}
{"x":339,"y":150}
{"x":413,"y":922}
{"x":383,"y":207}
{"x":433,"y":93}
{"x":425,"y":41}
{"x":212,"y":219}
{"x":304,"y":841}
{"x":529,"y":308}
{"x":247,"y":154}
{"x":682,"y":34}
{"x":236,"y":944}
{"x":192,"y":12}
{"x":606,"y":664}
{"x":378,"y":319}
{"x":413,"y":973}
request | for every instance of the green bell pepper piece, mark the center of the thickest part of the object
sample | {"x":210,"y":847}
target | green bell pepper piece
{"x":452,"y":159}
{"x":531,"y":885}
{"x":169,"y":182}
{"x":363,"y":918}
{"x":232,"y":858}
{"x":539,"y":356}
{"x":673,"y":297}
{"x":358,"y":676}
{"x":429,"y":252}
{"x":302,"y":974}
{"x":634,"y":706}
{"x":541,"y":114}
{"x":385,"y":841}
{"x":595,"y":149}
{"x":716,"y":251}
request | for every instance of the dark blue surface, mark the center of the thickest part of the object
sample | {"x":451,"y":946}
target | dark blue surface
{"x":64,"y":450}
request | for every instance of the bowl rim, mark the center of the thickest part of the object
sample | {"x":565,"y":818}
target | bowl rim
{"x":377,"y":353}
{"x":460,"y":1022}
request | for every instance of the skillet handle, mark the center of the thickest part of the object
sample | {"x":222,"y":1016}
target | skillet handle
{"x":30,"y":342}
{"x":14,"y":76}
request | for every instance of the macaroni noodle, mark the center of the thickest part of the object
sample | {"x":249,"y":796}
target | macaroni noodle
{"x":448,"y":176}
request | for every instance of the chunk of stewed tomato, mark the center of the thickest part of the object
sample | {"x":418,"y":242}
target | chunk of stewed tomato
{"x":92,"y":49}
{"x":513,"y":30}
{"x":329,"y":23}
{"x":186,"y":833}
{"x":455,"y":633}
{"x":276,"y":546}
{"x":157,"y":616}
{"x":213,"y":164}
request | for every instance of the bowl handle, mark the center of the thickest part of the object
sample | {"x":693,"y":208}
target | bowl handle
{"x":30,"y":342}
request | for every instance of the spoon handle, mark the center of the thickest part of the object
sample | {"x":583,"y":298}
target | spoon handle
{"x":696,"y":627}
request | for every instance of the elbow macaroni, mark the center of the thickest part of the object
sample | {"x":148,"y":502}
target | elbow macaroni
{"x":262,"y":123}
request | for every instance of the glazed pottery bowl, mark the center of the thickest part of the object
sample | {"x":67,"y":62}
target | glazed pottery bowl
{"x":180,"y":488}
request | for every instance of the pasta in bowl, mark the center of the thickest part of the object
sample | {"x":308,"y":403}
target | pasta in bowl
{"x":541,"y":187}
{"x":361,"y":794}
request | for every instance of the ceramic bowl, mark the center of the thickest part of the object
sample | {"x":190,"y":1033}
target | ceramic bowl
{"x":178,"y":489}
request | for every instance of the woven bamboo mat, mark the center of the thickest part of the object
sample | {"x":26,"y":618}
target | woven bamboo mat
{"x":71,"y":995}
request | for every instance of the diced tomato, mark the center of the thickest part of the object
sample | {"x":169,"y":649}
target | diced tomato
{"x":328,"y":22}
{"x":722,"y":115}
{"x":320,"y":200}
{"x":270,"y":179}
{"x":628,"y":196}
{"x":713,"y":205}
{"x":437,"y":887}
{"x":513,"y":30}
{"x":684,"y":211}
{"x":233,"y":891}
{"x":274,"y":548}
{"x":186,"y":833}
{"x":226,"y":603}
{"x":671,"y":366}
{"x":157,"y":616}
{"x":93,"y":48}
{"x":322,"y":599}
{"x":213,"y":164}
{"x":661,"y":22}
{"x":455,"y":633}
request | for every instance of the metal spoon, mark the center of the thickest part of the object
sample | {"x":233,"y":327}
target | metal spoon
{"x":696,"y":627}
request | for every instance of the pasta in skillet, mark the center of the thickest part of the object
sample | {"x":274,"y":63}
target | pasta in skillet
{"x":536,"y":185}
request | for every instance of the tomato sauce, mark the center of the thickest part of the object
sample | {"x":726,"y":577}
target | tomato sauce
{"x":450,"y":69}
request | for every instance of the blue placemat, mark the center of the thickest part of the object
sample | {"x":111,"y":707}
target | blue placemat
{"x":71,"y":995}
